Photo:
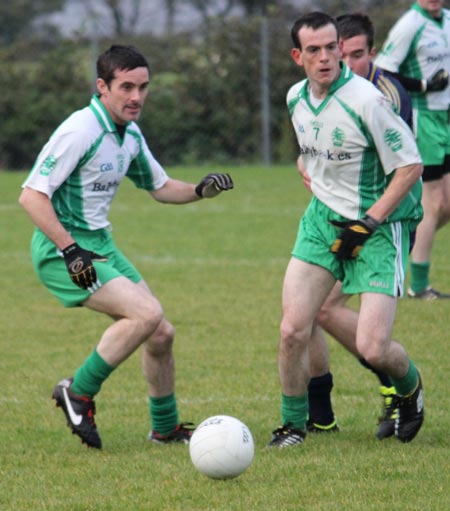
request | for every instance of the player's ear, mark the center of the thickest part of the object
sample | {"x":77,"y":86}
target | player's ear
{"x":102,"y":87}
{"x":296,"y":55}
{"x":372,"y":52}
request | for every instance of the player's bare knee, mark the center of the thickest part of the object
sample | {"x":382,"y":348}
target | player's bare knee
{"x":293,"y":336}
{"x":161,"y":340}
{"x":324,"y":316}
{"x":165,"y":333}
{"x":331,"y":311}
{"x":444,"y":216}
{"x":375,"y":354}
{"x":150,"y":316}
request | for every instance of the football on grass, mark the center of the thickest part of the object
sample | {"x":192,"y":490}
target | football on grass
{"x":221,"y":447}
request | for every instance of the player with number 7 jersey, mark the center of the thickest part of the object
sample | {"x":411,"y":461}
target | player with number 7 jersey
{"x":363,"y":165}
{"x":352,"y":148}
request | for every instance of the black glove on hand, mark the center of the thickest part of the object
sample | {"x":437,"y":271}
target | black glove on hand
{"x":438,"y":81}
{"x":79,"y":265}
{"x":212,"y":184}
{"x":353,"y":236}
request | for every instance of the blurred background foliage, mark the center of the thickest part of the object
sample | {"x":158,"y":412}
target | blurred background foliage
{"x":205,"y":100}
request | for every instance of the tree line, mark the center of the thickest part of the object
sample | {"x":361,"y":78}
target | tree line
{"x":204,"y":102}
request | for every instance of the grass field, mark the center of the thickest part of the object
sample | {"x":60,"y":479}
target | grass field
{"x":217,"y":266}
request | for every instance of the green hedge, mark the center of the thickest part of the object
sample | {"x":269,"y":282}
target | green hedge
{"x":204,"y":100}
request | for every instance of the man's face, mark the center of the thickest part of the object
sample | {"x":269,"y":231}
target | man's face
{"x":125,"y":95}
{"x":356,"y":54}
{"x":319,"y":56}
{"x":434,"y":7}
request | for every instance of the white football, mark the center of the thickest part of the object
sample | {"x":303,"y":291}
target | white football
{"x":221,"y":447}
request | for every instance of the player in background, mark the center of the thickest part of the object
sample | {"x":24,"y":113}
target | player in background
{"x":363,"y":163}
{"x":417,"y":50}
{"x":68,"y":194}
{"x":356,"y":42}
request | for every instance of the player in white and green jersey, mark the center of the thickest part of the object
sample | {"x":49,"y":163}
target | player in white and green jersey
{"x":356,"y":42}
{"x":83,"y":183}
{"x":418,"y":47}
{"x":358,"y":132}
{"x":417,"y":51}
{"x":68,"y":195}
{"x":363,"y":163}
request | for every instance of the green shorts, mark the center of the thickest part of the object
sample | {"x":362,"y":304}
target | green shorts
{"x":433,"y":136}
{"x":52,"y":271}
{"x":380,"y":266}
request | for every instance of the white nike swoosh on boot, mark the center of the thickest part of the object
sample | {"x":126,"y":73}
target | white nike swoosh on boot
{"x":75,"y":418}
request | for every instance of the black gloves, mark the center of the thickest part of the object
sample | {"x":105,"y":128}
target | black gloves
{"x":437,"y":82}
{"x":353,"y":236}
{"x":79,"y":264}
{"x":212,"y":184}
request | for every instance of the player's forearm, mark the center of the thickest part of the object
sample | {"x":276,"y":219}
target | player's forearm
{"x":402,"y":182}
{"x":176,"y":192}
{"x":410,"y":84}
{"x":40,"y":209}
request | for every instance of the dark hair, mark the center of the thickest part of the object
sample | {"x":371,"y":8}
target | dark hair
{"x":351,"y":25}
{"x":315,"y":20}
{"x":118,"y":57}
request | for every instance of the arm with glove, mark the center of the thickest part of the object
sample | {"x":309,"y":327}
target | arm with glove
{"x":437,"y":82}
{"x":78,"y":261}
{"x":175,"y":191}
{"x":353,"y":234}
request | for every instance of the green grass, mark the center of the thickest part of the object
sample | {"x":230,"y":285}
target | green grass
{"x":217,"y":267}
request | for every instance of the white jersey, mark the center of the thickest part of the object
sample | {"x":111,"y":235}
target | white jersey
{"x":417,"y":47}
{"x":83,"y":163}
{"x":351,"y":144}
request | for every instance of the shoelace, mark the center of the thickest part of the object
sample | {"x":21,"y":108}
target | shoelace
{"x":390,"y":407}
{"x":183,"y":427}
{"x":186,"y":426}
{"x":90,"y":410}
{"x":90,"y":415}
{"x":282,"y":430}
{"x":285,"y":430}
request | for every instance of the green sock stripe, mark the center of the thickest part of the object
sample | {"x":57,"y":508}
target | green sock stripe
{"x":294,"y":410}
{"x":164,"y":413}
{"x":420,"y":276}
{"x":409,"y":382}
{"x":90,"y":376}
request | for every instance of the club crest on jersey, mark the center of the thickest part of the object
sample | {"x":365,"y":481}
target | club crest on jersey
{"x":393,"y":139}
{"x":338,"y":137}
{"x":120,"y":162}
{"x":48,"y":165}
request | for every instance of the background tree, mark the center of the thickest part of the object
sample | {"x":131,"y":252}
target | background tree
{"x":36,"y":97}
{"x":124,"y":15}
{"x":170,"y":6}
{"x":205,"y":100}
